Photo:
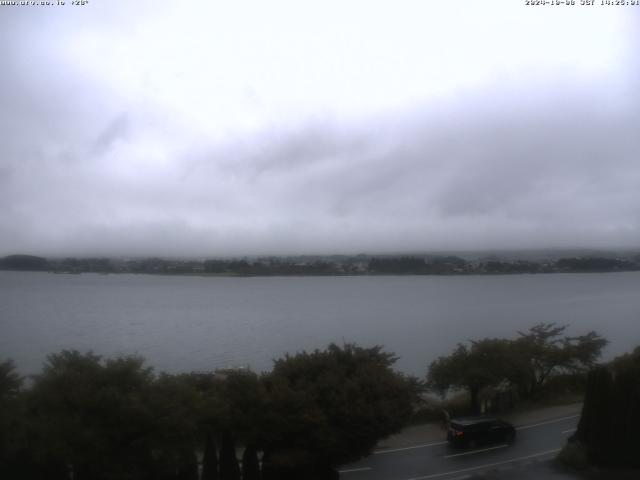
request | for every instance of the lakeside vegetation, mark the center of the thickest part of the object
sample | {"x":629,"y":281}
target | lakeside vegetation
{"x":92,"y":418}
{"x":608,"y":432}
{"x":498,"y":372}
{"x":89,"y":418}
{"x":326,"y":265}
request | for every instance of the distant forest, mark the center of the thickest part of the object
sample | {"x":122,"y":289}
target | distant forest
{"x":327,"y":265}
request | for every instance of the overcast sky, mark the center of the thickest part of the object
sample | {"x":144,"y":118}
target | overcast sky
{"x":227,"y":127}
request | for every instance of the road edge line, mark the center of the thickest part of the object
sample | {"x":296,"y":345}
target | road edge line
{"x":480,"y":467}
{"x":547,"y":422}
{"x":391,"y":450}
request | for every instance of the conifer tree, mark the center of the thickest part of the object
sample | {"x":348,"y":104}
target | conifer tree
{"x":210,"y":459}
{"x":595,"y":429}
{"x":626,"y":408}
{"x":188,"y":469}
{"x":250,"y":464}
{"x":229,"y":468}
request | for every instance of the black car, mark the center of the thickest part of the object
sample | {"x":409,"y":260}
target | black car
{"x":474,"y":431}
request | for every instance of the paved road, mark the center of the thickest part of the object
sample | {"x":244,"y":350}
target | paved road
{"x":438,"y":461}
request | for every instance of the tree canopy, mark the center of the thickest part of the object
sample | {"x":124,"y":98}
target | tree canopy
{"x":548,"y":352}
{"x":10,"y":380}
{"x":115,"y":419}
{"x":610,"y":420}
{"x":526,"y":363}
{"x":332,"y":406}
{"x":483,"y":363}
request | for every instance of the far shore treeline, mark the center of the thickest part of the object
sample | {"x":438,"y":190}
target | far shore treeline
{"x":85,"y":417}
{"x":327,"y":265}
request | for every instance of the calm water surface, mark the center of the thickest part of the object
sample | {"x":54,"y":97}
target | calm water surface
{"x":197,"y":323}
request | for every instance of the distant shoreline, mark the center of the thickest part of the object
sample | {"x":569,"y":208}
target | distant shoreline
{"x":329,"y":266}
{"x":336,"y":275}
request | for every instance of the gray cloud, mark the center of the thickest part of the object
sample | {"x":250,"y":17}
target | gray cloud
{"x":117,"y":129}
{"x":86,"y":169}
{"x":531,"y":177}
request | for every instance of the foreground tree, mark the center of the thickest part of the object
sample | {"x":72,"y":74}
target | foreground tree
{"x":626,"y":394}
{"x":610,"y":420}
{"x":546,"y":352}
{"x":10,"y":380}
{"x":11,"y":416}
{"x":93,"y":415}
{"x":330,"y":407}
{"x":250,"y":464}
{"x":209,"y":459}
{"x":595,"y":428}
{"x":235,"y":402}
{"x":484,"y":363}
{"x":188,"y":466}
{"x":111,"y":419}
{"x":229,"y":468}
{"x":175,"y":406}
{"x":527,"y":362}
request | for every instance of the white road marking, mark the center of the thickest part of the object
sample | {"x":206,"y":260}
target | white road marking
{"x":568,"y":431}
{"x":391,"y":450}
{"x":475,"y":451}
{"x":363,"y":469}
{"x":434,"y":444}
{"x":524,"y":427}
{"x":487,"y":465}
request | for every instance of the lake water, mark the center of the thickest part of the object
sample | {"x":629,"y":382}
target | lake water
{"x":181,"y":323}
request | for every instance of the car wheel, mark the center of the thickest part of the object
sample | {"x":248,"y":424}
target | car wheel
{"x":472,"y":444}
{"x":509,"y":436}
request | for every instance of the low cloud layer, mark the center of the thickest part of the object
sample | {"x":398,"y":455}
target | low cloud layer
{"x":96,"y":160}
